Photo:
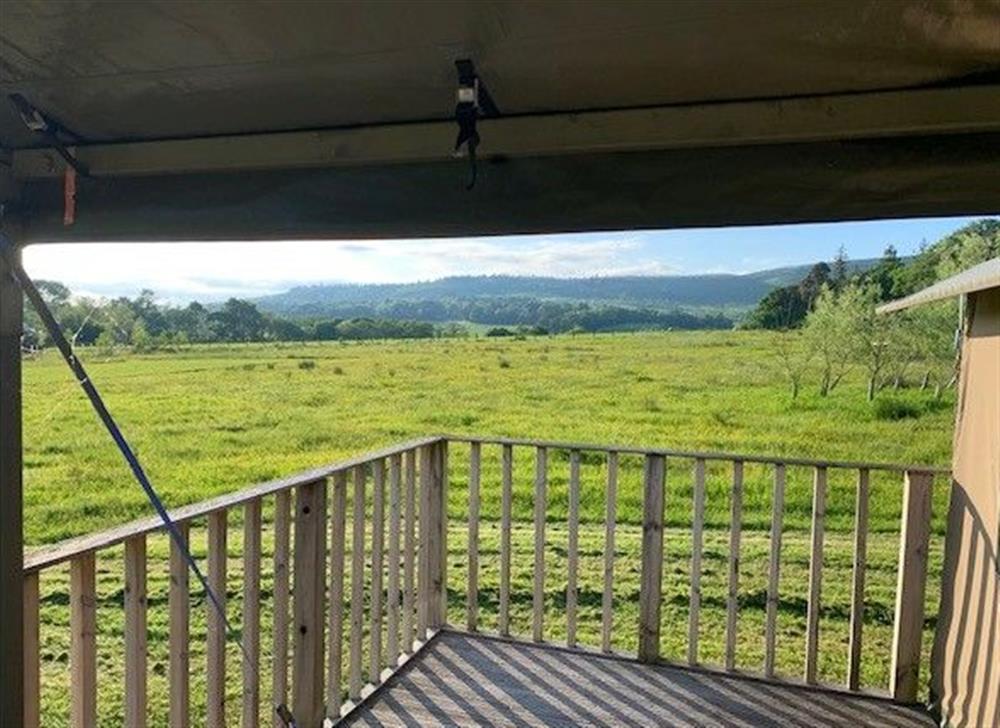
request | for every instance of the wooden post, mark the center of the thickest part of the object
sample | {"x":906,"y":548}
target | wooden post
{"x":179,"y":603}
{"x":83,"y":644}
{"x":215,"y":639}
{"x":815,"y":573}
{"x":774,"y":570}
{"x":472,"y":596}
{"x":279,"y":664}
{"x":251,"y":614}
{"x":651,"y":585}
{"x":573,"y":547}
{"x":32,"y":684}
{"x":506,"y":495}
{"x":538,"y":595}
{"x":309,"y":593}
{"x":434,"y":552}
{"x":610,"y":516}
{"x":135,"y":632}
{"x":858,"y":581}
{"x":335,"y":659}
{"x":409,"y":548}
{"x":395,"y":523}
{"x":697,"y":540}
{"x":910,"y":586}
{"x":357,"y":584}
{"x":11,"y":534}
{"x":735,"y":529}
{"x":378,"y":540}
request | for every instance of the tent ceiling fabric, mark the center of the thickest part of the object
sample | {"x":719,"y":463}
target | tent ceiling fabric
{"x":114,"y":71}
{"x":151,"y":71}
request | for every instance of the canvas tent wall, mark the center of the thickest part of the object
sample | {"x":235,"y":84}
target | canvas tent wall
{"x":965,"y":666}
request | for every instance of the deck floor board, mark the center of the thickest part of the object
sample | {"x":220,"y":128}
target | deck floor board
{"x":470,"y":680}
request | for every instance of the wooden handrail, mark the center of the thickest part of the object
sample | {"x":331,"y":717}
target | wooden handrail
{"x":48,"y":556}
{"x":694,"y":454}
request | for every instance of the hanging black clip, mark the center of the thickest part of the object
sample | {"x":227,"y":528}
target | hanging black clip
{"x":472,"y":102}
{"x":49,"y":130}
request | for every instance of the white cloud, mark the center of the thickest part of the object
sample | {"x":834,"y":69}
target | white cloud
{"x":208,"y":271}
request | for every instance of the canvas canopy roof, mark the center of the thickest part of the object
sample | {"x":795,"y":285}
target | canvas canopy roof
{"x":306,"y":119}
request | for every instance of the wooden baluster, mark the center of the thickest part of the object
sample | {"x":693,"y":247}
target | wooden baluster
{"x":282,"y":532}
{"x":441,"y":452}
{"x":378,"y":527}
{"x":357,"y":584}
{"x":573,"y":547}
{"x":409,"y":548}
{"x":472,"y":598}
{"x":135,"y":632}
{"x":32,"y":646}
{"x":697,"y":530}
{"x":309,"y":590}
{"x":538,"y":596}
{"x":338,"y":528}
{"x":392,"y":643}
{"x":433,"y":498}
{"x":858,"y":581}
{"x":83,"y":641}
{"x":815,"y":573}
{"x":215,"y":640}
{"x":651,"y":585}
{"x":735,"y":528}
{"x":911,"y":585}
{"x":507,"y":479}
{"x":774,"y":566}
{"x":610,"y":516}
{"x":179,"y":604}
{"x":251,"y":613}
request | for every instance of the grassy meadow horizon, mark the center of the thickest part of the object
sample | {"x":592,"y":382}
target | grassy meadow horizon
{"x":211,"y":419}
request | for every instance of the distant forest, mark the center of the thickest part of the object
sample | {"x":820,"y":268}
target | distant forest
{"x":473,"y":298}
{"x":460,"y":306}
{"x":891,"y":276}
{"x":142,"y":323}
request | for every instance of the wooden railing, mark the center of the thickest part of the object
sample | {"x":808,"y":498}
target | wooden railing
{"x":382,"y":578}
{"x":387,"y":632}
{"x":915,"y":530}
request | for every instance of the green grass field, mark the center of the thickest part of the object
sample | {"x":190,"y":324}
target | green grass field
{"x":210,"y":420}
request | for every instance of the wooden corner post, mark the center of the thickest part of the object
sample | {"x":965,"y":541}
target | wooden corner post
{"x":651,"y":586}
{"x":309,"y":595}
{"x":433,"y":531}
{"x":11,"y":532}
{"x":914,"y":538}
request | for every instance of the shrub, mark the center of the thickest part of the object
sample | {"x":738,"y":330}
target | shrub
{"x":307,"y":364}
{"x":888,"y":408}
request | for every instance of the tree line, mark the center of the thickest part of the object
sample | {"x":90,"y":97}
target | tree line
{"x":143,"y":323}
{"x":831,"y":328}
{"x":552,"y":315}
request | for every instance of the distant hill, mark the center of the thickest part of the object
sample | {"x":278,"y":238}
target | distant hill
{"x":712,"y":292}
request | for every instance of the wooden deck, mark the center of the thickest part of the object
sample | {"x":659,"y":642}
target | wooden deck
{"x":470,"y":680}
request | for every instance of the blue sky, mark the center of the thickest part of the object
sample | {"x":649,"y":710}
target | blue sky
{"x":214,"y":271}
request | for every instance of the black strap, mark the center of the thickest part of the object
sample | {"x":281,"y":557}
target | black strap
{"x":7,"y":250}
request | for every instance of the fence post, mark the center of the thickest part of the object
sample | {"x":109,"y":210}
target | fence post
{"x":309,"y":594}
{"x":909,"y":622}
{"x":433,"y":528}
{"x":651,"y":586}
